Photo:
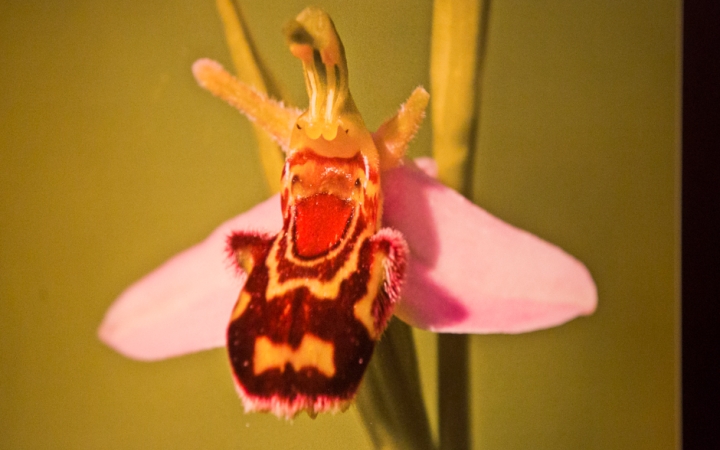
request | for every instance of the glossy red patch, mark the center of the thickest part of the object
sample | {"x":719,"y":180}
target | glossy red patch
{"x":320,"y":222}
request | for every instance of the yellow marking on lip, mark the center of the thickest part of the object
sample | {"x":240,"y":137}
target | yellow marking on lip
{"x":242,"y":303}
{"x":363,"y":307}
{"x":323,"y":290}
{"x":312,"y":352}
{"x":245,"y":259}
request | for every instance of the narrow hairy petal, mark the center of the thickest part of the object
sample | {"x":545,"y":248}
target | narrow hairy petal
{"x":394,"y":135}
{"x":184,"y":305}
{"x":248,"y":70}
{"x":453,"y":64}
{"x":470,"y":272}
{"x":273,"y":117}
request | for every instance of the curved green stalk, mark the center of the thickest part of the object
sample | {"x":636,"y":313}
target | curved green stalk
{"x":453,"y":63}
{"x":390,"y":400}
{"x":249,"y":71}
{"x":453,"y":80}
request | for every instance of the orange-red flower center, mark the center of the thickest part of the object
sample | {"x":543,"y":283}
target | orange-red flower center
{"x":320,"y":223}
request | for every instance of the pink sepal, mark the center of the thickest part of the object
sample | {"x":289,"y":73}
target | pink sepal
{"x":470,"y":272}
{"x":426,"y":164}
{"x":184,"y":305}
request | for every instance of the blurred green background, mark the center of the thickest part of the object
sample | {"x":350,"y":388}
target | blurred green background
{"x":112,"y":160}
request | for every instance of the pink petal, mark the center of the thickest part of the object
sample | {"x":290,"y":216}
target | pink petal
{"x":184,"y":305}
{"x":470,"y":272}
{"x":427,"y":165}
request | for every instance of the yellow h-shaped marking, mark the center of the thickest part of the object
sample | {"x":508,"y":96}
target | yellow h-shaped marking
{"x":313,"y":352}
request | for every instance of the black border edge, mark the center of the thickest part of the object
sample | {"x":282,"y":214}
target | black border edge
{"x":700,"y":226}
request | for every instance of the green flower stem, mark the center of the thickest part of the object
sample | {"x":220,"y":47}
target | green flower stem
{"x":390,"y":400}
{"x":453,"y":79}
{"x":453,"y":395}
{"x":250,"y":71}
{"x":453,"y":64}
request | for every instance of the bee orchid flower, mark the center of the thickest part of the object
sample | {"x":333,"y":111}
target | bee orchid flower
{"x":433,"y":259}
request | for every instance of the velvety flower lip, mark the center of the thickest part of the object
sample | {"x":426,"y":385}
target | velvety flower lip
{"x":469,"y":272}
